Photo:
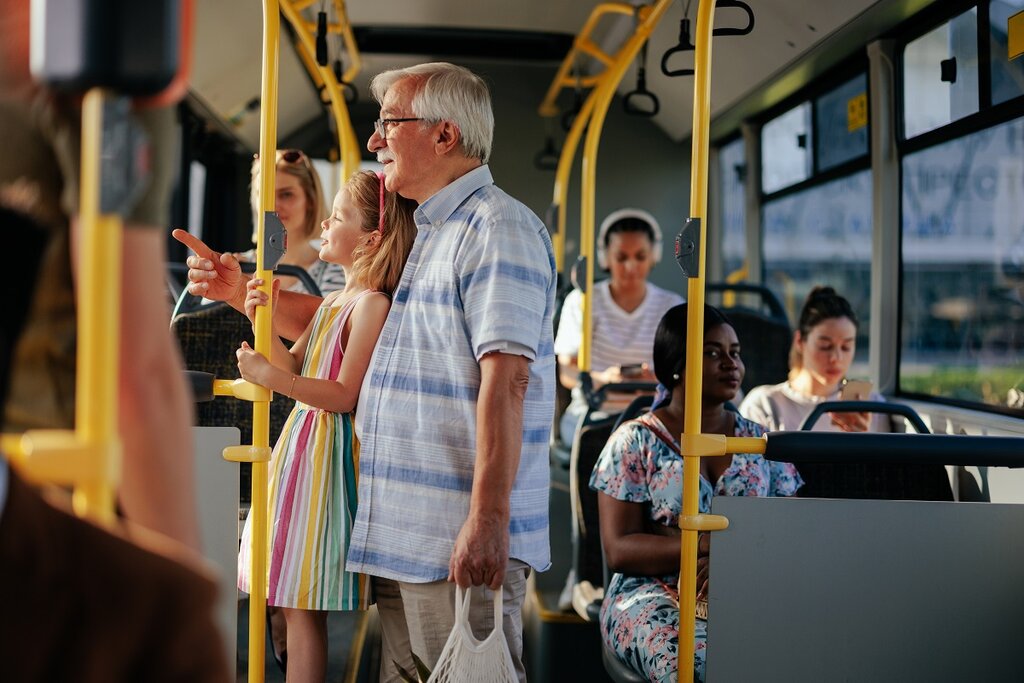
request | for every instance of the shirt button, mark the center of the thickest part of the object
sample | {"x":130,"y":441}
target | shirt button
{"x":437,"y":224}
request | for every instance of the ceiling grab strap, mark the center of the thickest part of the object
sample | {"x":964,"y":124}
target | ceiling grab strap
{"x":632,"y":101}
{"x":684,"y":45}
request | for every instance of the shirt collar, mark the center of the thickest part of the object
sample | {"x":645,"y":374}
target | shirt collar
{"x":442,"y":204}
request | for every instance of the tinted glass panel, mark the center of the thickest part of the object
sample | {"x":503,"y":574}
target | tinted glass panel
{"x":786,"y":149}
{"x":732,"y":166}
{"x":1007,"y":76}
{"x":963,"y":268}
{"x":841,"y":123}
{"x":822,"y":236}
{"x":940,"y":75}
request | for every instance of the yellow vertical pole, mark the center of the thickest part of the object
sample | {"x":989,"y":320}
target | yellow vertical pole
{"x":694,"y":339}
{"x":561,"y":193}
{"x":99,"y":308}
{"x":261,"y":408}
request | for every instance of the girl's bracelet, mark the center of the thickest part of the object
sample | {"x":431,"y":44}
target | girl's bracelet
{"x":291,"y":389}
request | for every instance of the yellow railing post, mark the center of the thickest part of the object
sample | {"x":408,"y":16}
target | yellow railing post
{"x":264,"y":316}
{"x":649,"y":17}
{"x":99,"y":312}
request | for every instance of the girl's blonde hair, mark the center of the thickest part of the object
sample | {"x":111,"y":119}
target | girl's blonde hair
{"x":379,"y":265}
{"x":302,"y":169}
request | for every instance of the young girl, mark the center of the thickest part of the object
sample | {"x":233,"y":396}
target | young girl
{"x":313,"y":468}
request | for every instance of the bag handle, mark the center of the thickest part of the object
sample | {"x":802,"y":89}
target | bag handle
{"x":463,"y":596}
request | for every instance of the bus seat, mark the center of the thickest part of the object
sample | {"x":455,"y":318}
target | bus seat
{"x":209,"y":338}
{"x":765,"y":342}
{"x":588,"y":586}
{"x":873,"y":481}
{"x":616,"y":669}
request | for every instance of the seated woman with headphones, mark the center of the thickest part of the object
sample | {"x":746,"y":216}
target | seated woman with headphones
{"x":625,"y":311}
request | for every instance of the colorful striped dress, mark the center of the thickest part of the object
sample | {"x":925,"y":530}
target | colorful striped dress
{"x":313,"y":492}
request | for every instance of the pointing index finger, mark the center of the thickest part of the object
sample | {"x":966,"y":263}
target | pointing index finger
{"x":195,"y":244}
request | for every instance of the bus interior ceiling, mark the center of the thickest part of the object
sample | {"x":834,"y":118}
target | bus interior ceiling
{"x":517,"y":48}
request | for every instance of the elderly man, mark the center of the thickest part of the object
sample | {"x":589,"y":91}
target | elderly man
{"x":456,"y":408}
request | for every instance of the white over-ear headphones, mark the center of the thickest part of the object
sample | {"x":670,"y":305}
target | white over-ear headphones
{"x":616,"y":216}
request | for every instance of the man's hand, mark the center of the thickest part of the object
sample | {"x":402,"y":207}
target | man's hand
{"x":480,"y":555}
{"x":212,"y":274}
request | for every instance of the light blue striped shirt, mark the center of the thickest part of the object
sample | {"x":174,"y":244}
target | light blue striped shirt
{"x":481,"y":277}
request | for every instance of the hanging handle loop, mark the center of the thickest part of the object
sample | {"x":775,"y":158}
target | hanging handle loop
{"x":684,"y":45}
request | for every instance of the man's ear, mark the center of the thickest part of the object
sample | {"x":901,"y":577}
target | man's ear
{"x":447,"y":138}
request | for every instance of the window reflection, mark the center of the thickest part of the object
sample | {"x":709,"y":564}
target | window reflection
{"x":963,"y":268}
{"x":1007,"y":76}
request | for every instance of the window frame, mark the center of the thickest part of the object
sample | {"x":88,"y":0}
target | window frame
{"x":989,"y":115}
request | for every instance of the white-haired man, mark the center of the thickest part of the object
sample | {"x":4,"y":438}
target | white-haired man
{"x":455,"y":411}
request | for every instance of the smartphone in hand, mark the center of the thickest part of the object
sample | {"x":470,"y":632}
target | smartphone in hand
{"x":631,"y":371}
{"x":855,"y":390}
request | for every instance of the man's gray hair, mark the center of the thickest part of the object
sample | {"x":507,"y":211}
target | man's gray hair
{"x":446,"y":92}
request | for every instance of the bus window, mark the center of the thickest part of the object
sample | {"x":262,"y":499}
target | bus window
{"x":822,"y":236}
{"x":786,"y":149}
{"x":1007,"y":77}
{"x":841,"y":123}
{"x":732,"y":200}
{"x":940,"y":75}
{"x":963,"y":268}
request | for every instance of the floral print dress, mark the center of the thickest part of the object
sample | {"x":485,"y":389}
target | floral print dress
{"x":640,"y":614}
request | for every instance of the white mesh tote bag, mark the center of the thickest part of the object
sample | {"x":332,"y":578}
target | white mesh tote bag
{"x":465,"y":659}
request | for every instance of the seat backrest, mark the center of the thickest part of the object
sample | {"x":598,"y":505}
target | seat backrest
{"x":209,"y":338}
{"x":586,"y":537}
{"x":765,"y":342}
{"x":875,"y":481}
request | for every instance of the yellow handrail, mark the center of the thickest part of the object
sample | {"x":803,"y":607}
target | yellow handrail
{"x":582,"y":44}
{"x":323,"y":76}
{"x":548,"y":108}
{"x":648,"y":17}
{"x":739,"y":275}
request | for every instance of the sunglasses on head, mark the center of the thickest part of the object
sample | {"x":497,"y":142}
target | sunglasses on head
{"x":289,"y":156}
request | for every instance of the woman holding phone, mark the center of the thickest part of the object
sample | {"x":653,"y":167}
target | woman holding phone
{"x":819,"y":359}
{"x":625,"y":312}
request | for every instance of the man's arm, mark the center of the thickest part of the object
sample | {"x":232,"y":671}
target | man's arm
{"x":218,"y":276}
{"x":481,"y":550}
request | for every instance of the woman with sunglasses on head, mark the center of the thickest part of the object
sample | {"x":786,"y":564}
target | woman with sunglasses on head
{"x":299,"y":203}
{"x":312,"y":470}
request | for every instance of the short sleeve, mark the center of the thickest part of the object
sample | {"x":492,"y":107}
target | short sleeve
{"x":331,"y":278}
{"x":570,"y":325}
{"x":505,"y":277}
{"x":622,"y":468}
{"x":756,"y":408}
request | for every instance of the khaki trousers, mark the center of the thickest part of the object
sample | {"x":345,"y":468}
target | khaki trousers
{"x":418,"y":617}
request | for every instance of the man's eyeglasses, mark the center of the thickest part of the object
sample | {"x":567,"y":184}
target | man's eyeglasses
{"x":383,"y":125}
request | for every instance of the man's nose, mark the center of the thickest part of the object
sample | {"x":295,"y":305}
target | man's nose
{"x":375,"y":142}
